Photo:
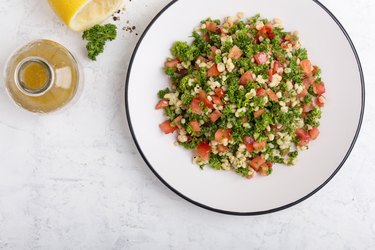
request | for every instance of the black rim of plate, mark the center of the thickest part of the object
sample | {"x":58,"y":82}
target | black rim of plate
{"x":257,"y":212}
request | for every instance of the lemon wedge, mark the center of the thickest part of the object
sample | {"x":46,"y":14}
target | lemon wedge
{"x":80,"y":15}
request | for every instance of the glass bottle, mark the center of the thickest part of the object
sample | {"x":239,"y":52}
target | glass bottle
{"x":42,"y":76}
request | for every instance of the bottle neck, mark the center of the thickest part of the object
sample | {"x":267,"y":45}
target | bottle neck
{"x":34,"y":76}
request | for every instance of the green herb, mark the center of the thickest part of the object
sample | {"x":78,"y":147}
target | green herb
{"x":215,"y":162}
{"x":163,"y":92}
{"x":313,"y":117}
{"x":170,"y":113}
{"x":97,"y":37}
{"x":243,"y":171}
{"x":185,"y":52}
{"x":302,"y":53}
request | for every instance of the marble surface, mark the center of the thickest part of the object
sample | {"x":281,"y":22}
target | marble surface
{"x":74,"y":180}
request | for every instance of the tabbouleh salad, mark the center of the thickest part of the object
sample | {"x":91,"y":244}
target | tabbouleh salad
{"x":243,"y":95}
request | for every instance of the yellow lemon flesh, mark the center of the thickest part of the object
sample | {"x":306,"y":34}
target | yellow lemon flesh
{"x":80,"y":15}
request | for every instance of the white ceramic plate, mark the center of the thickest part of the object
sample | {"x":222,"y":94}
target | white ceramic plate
{"x":328,"y":45}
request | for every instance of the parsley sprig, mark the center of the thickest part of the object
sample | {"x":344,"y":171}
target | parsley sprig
{"x":97,"y":37}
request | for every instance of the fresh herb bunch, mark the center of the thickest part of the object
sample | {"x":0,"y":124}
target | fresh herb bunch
{"x":97,"y":37}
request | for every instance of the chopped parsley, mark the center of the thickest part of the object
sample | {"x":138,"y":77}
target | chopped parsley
{"x":97,"y":37}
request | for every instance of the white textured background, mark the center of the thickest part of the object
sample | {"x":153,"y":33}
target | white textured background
{"x":74,"y":180}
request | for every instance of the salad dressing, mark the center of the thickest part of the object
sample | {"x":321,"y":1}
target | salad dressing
{"x":42,"y":76}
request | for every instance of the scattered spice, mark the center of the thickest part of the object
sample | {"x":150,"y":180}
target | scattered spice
{"x":116,"y":15}
{"x":129,"y":28}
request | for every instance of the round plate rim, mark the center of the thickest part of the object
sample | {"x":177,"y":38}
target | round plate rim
{"x":256,"y":212}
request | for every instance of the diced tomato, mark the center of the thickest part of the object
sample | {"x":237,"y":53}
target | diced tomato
{"x":265,"y":31}
{"x":224,"y":28}
{"x":288,"y":37}
{"x":177,"y":121}
{"x":276,"y":66}
{"x":214,"y":116}
{"x":264,"y":170}
{"x":307,"y":107}
{"x":257,"y":162}
{"x":206,"y":37}
{"x":248,"y":139}
{"x":195,"y":107}
{"x":270,"y":75}
{"x":303,"y":136}
{"x":319,"y":88}
{"x":250,"y":147}
{"x":261,"y":58}
{"x":301,"y":133}
{"x":213,"y":49}
{"x":211,"y":26}
{"x":206,"y":102}
{"x":269,"y":26}
{"x":315,"y":69}
{"x":270,"y":164}
{"x":221,"y":148}
{"x":318,"y":102}
{"x":308,"y":81}
{"x":259,"y":145}
{"x":195,"y":126}
{"x":258,"y":113}
{"x":314,"y":133}
{"x":303,"y":93}
{"x":235,"y":52}
{"x":272,"y":95}
{"x":203,"y":151}
{"x":222,"y":134}
{"x":249,"y":142}
{"x":217,"y":100}
{"x":202,"y":59}
{"x":172,"y":63}
{"x":166,"y":127}
{"x":261,"y":92}
{"x":213,"y":71}
{"x":306,"y":67}
{"x":161,"y":104}
{"x":219,"y":92}
{"x":246,"y":78}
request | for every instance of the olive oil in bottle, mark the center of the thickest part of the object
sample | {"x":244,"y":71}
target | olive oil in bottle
{"x":42,"y":76}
